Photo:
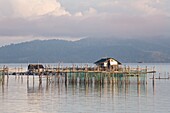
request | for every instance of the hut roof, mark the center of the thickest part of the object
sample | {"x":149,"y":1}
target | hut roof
{"x":35,"y":66}
{"x":105,"y":59}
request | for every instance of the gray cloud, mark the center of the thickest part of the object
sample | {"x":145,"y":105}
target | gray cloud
{"x":127,"y":19}
{"x":103,"y":25}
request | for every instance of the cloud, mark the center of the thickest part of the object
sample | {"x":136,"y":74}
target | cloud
{"x":6,"y":40}
{"x":135,"y":7}
{"x":99,"y":25}
{"x":147,"y":7}
{"x":46,"y":19}
{"x":91,"y":11}
{"x":78,"y":14}
{"x":31,"y":8}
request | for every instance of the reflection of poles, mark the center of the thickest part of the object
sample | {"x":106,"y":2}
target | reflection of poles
{"x":86,"y":89}
{"x":7,"y":79}
{"x":18,"y":73}
{"x":47,"y":83}
{"x":138,"y":79}
{"x":21,"y":74}
{"x":85,"y":78}
{"x":40,"y":86}
{"x":126,"y":86}
{"x":58,"y":77}
{"x":153,"y":83}
{"x":15,"y":73}
{"x":40,"y":75}
{"x":7,"y":71}
{"x":3,"y":76}
{"x":2,"y":79}
{"x":27,"y":82}
{"x":66,"y":78}
{"x":153,"y":73}
{"x":27,"y":77}
{"x":66,"y":84}
{"x":138,"y":89}
{"x":100,"y":78}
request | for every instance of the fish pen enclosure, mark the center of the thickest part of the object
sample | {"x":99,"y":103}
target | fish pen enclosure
{"x":97,"y":78}
{"x":3,"y":73}
{"x":87,"y":75}
{"x":0,"y":75}
{"x":90,"y":75}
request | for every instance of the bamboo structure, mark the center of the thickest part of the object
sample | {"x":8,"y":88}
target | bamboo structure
{"x":86,"y":75}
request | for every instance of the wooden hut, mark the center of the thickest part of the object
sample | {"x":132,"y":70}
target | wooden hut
{"x":35,"y":68}
{"x":108,"y":63}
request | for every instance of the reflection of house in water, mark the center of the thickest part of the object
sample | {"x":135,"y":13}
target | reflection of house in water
{"x":109,"y":63}
{"x":35,"y":68}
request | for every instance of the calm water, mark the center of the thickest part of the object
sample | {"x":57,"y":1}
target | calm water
{"x":17,"y":96}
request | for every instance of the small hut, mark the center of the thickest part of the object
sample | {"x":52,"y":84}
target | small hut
{"x":108,"y":63}
{"x":35,"y":68}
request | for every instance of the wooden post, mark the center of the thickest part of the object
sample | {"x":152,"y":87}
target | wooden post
{"x":110,"y":78}
{"x":113,"y":79}
{"x":18,"y":73}
{"x":22,"y":73}
{"x":96,"y":78}
{"x":80,"y":77}
{"x":2,"y":76}
{"x":153,"y":81}
{"x":7,"y":70}
{"x":47,"y":76}
{"x":146,"y":75}
{"x":138,"y":79}
{"x":27,"y":77}
{"x":58,"y":76}
{"x":40,"y":76}
{"x":101,"y":78}
{"x":85,"y":78}
{"x":73,"y":78}
{"x":126,"y":79}
{"x":153,"y":73}
{"x":105,"y":79}
{"x":91,"y":78}
{"x":15,"y":72}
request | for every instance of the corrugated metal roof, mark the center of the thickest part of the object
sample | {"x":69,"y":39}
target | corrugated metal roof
{"x":35,"y":66}
{"x":105,"y":59}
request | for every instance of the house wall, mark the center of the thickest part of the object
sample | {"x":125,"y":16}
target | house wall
{"x":113,"y":62}
{"x":105,"y":64}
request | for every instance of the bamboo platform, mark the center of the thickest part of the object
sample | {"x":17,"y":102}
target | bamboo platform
{"x":85,"y":74}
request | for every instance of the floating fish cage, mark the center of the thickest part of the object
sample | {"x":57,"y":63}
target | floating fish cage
{"x":98,"y":78}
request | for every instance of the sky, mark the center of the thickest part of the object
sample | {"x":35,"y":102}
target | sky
{"x":26,"y":20}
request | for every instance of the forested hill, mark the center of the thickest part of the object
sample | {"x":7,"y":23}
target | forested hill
{"x":87,"y":51}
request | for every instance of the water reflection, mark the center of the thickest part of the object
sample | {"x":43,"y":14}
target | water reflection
{"x":47,"y":87}
{"x":53,"y":96}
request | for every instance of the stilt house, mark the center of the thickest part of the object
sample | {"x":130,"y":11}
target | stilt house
{"x":35,"y":68}
{"x":108,"y":63}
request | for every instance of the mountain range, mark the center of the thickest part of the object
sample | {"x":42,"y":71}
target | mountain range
{"x":88,"y":50}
